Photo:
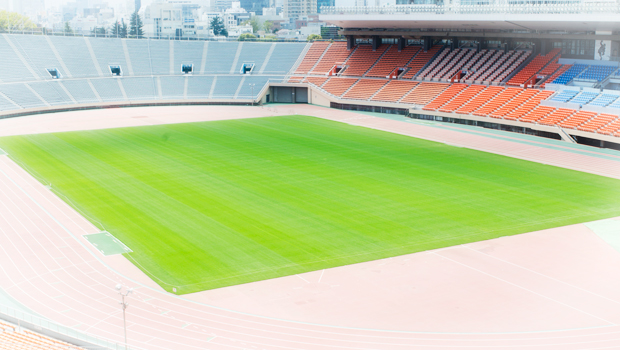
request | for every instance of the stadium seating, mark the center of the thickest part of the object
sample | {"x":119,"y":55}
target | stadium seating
{"x":556,"y":116}
{"x":571,"y":73}
{"x":108,"y":89}
{"x":199,"y":87}
{"x":497,"y":102}
{"x":336,"y":53}
{"x":75,"y":54}
{"x":420,"y":60}
{"x":483,"y":97}
{"x":610,"y":128}
{"x":465,"y":96}
{"x":584,"y":97}
{"x":394,"y":90}
{"x":362,"y":59}
{"x":447,"y":95}
{"x":535,"y":66}
{"x":393,"y":59}
{"x":603,"y":100}
{"x":312,"y":57}
{"x":555,"y":75}
{"x":522,"y":97}
{"x":318,"y":81}
{"x":173,"y":87}
{"x":528,"y":105}
{"x":283,"y":57}
{"x":565,"y":95}
{"x":596,"y":73}
{"x":15,"y":338}
{"x":337,"y":86}
{"x":536,"y":114}
{"x":599,"y":123}
{"x":576,"y":119}
{"x":13,"y":67}
{"x":364,"y":89}
{"x":51,"y":92}
{"x":423,"y":93}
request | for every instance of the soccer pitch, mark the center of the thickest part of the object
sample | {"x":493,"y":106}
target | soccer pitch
{"x":213,"y":204}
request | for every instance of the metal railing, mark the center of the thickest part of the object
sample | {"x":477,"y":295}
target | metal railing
{"x":546,"y":8}
{"x":196,"y":37}
{"x":52,"y":329}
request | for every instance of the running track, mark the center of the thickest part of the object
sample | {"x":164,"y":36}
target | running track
{"x":46,"y":265}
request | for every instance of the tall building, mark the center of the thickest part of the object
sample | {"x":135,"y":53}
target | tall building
{"x":255,"y":6}
{"x":299,"y":8}
{"x":325,"y":3}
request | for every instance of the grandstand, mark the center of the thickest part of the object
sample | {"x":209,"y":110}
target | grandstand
{"x":456,"y":69}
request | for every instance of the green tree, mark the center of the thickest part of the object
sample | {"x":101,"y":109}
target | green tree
{"x":124,"y":29}
{"x":15,"y":21}
{"x":312,"y":37}
{"x":217,"y":24}
{"x":99,"y":31}
{"x":68,"y":29}
{"x":135,"y":26}
{"x":246,"y":36}
{"x":254,"y":23}
{"x":268,"y":26}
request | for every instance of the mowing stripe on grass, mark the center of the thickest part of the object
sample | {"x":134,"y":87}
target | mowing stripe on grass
{"x":212,"y":204}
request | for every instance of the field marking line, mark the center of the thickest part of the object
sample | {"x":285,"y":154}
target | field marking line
{"x":303,"y":279}
{"x":541,"y":274}
{"x":526,"y":289}
{"x":228,"y":330}
{"x":321,"y":277}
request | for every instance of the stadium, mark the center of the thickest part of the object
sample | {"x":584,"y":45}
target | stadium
{"x":446,"y":177}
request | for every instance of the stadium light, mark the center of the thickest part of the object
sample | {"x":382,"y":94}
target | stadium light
{"x":119,"y":288}
{"x":252,"y":86}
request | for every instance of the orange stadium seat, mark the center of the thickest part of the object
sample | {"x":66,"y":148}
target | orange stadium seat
{"x":597,"y":122}
{"x":465,"y":96}
{"x":318,"y":81}
{"x":610,"y":128}
{"x":515,"y":103}
{"x":556,"y":116}
{"x":483,"y":97}
{"x":337,"y":86}
{"x":393,"y":59}
{"x":394,"y":90}
{"x":423,"y":93}
{"x":419,"y":61}
{"x":535,"y":66}
{"x":336,"y":53}
{"x":362,"y":59}
{"x":311,"y":57}
{"x":577,"y":119}
{"x":364,"y":89}
{"x":536,"y":114}
{"x":500,"y":99}
{"x":451,"y":92}
{"x":529,"y":105}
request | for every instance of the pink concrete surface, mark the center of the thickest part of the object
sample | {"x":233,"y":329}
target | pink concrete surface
{"x":552,"y":289}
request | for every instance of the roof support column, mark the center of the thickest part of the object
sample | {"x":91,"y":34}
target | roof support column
{"x":350,"y":42}
{"x":376,"y":42}
{"x":402,"y":42}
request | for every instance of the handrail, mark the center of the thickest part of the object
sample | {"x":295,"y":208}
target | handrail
{"x":557,"y":8}
{"x":54,"y":330}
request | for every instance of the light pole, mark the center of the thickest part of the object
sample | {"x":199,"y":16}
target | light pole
{"x":252,"y":86}
{"x":119,"y":288}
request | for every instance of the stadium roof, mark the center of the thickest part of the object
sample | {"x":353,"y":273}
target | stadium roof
{"x":531,"y":18}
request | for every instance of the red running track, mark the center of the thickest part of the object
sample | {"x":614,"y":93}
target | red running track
{"x":553,"y":289}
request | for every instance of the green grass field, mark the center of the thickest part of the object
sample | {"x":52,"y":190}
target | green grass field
{"x":213,"y":204}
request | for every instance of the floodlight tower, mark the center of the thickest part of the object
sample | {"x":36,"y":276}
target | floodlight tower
{"x":252,"y":86}
{"x":119,"y":289}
